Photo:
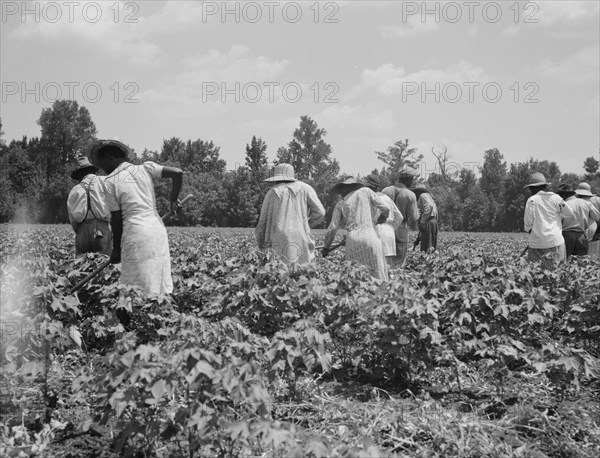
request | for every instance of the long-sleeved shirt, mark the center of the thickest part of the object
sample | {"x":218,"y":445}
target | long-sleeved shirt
{"x":427,"y":208}
{"x":77,"y":206}
{"x":584,"y":213}
{"x":544,"y":212}
{"x":406,"y":201}
{"x":288,"y":212}
{"x":357,"y":213}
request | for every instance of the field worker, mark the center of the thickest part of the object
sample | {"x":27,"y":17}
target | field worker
{"x":290,"y":209}
{"x":584,"y":192}
{"x":357,"y":213}
{"x":574,"y":229}
{"x":427,"y":220}
{"x":140,"y":240}
{"x":87,"y":210}
{"x":406,"y":202}
{"x":387,"y":230}
{"x":544,"y":212}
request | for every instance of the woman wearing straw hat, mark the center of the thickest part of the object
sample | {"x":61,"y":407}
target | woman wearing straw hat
{"x":387,"y":230}
{"x":87,"y":210}
{"x":290,"y":209}
{"x":427,"y":221}
{"x":584,"y":191}
{"x":544,"y":212}
{"x":140,"y":237}
{"x":357,"y":213}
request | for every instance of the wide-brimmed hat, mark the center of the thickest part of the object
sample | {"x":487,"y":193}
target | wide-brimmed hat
{"x":419,"y":187}
{"x":348,"y":184}
{"x":83,"y":167}
{"x":536,"y":179}
{"x":282,"y":172}
{"x":565,"y":190}
{"x":124,"y":150}
{"x":406,"y":173}
{"x":584,"y":189}
{"x":373,"y":181}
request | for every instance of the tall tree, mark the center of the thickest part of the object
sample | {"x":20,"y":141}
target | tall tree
{"x":591,"y":165}
{"x":399,"y":156}
{"x":308,"y":152}
{"x":256,"y":157}
{"x":493,"y":173}
{"x":67,"y":132}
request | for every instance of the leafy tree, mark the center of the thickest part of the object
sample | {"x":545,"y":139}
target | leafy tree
{"x":256,"y":157}
{"x":467,"y":182}
{"x":67,"y":132}
{"x":399,"y":156}
{"x":591,"y":165}
{"x":477,"y":215}
{"x":309,"y":154}
{"x":493,"y":173}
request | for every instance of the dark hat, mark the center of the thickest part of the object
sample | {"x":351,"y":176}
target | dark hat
{"x":419,"y":188}
{"x":348,"y":184}
{"x":565,"y":189}
{"x":373,"y":181}
{"x":405,"y":173}
{"x":536,"y":179}
{"x":83,"y":168}
{"x":122,"y":148}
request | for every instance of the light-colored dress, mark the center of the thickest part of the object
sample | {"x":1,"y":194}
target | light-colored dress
{"x":145,"y":258}
{"x":387,"y":230}
{"x":357,"y":213}
{"x":288,"y":212}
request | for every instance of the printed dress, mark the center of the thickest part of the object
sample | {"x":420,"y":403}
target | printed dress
{"x":357,"y":213}
{"x":288,"y":212}
{"x":145,"y":258}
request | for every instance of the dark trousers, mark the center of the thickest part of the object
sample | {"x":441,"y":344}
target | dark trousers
{"x":429,"y":234}
{"x":576,"y":243}
{"x":93,"y":236}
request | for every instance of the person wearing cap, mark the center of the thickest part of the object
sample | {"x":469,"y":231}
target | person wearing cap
{"x":387,"y":230}
{"x":359,"y":210}
{"x":140,"y":241}
{"x":427,"y":220}
{"x":289,"y":210}
{"x":406,"y":202}
{"x":544,"y":212}
{"x":584,"y":192}
{"x":574,"y":229}
{"x":87,"y":210}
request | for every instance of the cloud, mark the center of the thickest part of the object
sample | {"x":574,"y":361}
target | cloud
{"x":205,"y":78}
{"x":111,"y":28}
{"x":390,"y":80}
{"x":358,"y":119}
{"x":413,"y":26}
{"x":581,"y":67}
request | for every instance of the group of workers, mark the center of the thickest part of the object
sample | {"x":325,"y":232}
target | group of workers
{"x":560,"y":224}
{"x":116,"y":214}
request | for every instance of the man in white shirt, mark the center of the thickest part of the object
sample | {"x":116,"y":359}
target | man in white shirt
{"x":88,"y":213}
{"x":575,"y":228}
{"x":584,"y":192}
{"x":544,"y":213}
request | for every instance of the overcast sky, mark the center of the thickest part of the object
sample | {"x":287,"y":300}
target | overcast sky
{"x":522,"y":77}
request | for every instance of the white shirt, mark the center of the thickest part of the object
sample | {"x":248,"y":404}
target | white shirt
{"x":543,"y":219}
{"x":77,"y":201}
{"x":583,"y":212}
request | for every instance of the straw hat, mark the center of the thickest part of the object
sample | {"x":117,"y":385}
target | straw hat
{"x":84,"y":167}
{"x":349,"y":184}
{"x":282,"y":172}
{"x":536,"y":179}
{"x":584,"y":189}
{"x":124,"y":150}
{"x":419,"y":188}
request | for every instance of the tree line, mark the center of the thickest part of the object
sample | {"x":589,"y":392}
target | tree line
{"x":35,"y":179}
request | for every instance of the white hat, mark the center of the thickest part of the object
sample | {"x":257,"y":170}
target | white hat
{"x":282,"y":172}
{"x":584,"y":189}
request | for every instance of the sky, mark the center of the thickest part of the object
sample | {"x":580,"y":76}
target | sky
{"x":522,"y":77}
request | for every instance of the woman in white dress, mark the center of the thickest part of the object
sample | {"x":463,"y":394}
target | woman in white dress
{"x":140,"y":240}
{"x":387,"y":230}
